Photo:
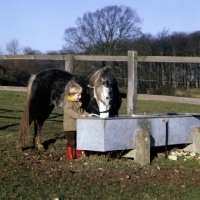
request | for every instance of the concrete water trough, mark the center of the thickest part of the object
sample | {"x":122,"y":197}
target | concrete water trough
{"x":120,"y":133}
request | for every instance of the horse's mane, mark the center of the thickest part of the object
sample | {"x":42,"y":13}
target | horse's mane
{"x":99,"y":78}
{"x":96,"y":75}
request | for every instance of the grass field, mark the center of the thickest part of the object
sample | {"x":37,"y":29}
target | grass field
{"x":47,"y":175}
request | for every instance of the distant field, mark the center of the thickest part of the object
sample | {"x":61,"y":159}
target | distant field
{"x":193,"y":93}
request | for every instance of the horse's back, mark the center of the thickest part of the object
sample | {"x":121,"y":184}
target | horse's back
{"x":47,"y":89}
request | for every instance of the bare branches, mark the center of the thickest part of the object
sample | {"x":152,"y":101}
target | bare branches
{"x":13,"y":47}
{"x":103,"y":31}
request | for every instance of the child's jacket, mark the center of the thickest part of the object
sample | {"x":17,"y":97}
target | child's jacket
{"x":72,"y":109}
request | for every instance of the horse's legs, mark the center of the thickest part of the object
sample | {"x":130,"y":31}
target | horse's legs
{"x":36,"y":138}
{"x":38,"y":123}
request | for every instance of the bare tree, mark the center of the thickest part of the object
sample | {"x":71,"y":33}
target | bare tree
{"x":29,"y":51}
{"x":1,"y":51}
{"x":13,"y":47}
{"x":103,"y":31}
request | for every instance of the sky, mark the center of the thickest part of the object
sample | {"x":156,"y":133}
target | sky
{"x":40,"y":24}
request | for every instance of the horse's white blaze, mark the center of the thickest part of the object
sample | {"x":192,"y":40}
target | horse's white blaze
{"x":102,"y":108}
{"x":104,"y":102}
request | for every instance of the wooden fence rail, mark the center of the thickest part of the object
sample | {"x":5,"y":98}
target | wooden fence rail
{"x":132,"y":59}
{"x":145,"y":97}
{"x":13,"y":88}
{"x":173,"y":59}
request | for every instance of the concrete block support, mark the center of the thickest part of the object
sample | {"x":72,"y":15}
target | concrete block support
{"x":142,"y":151}
{"x":195,"y":146}
{"x":196,"y":140}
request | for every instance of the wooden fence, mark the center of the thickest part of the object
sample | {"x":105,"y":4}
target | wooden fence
{"x":132,"y":59}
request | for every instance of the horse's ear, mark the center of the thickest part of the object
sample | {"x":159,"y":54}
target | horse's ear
{"x":90,"y":86}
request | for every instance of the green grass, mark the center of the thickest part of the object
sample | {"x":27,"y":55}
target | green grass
{"x":47,"y":175}
{"x":153,"y":107}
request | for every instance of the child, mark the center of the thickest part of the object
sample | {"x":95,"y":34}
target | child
{"x":72,"y":109}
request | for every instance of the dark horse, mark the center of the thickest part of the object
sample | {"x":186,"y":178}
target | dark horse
{"x":48,"y":88}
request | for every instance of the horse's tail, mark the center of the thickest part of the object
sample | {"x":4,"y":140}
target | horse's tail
{"x":24,"y":128}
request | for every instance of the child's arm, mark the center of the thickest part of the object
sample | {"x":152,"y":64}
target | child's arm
{"x":68,"y":110}
{"x":85,"y":113}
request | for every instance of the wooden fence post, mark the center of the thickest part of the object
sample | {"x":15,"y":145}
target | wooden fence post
{"x":69,"y":63}
{"x":132,"y":83}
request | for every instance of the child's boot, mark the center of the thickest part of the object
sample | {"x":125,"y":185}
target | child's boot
{"x":78,"y":153}
{"x":69,"y":151}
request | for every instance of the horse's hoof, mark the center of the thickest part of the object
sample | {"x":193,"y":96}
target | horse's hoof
{"x":19,"y":146}
{"x":40,"y":148}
